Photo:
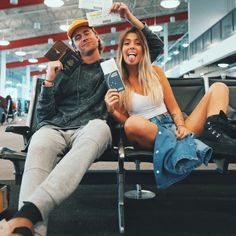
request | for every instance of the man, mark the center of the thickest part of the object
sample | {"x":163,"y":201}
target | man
{"x":71,"y":114}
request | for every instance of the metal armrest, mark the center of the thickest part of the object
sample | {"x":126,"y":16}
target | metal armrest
{"x":22,"y":130}
{"x":18,"y":160}
{"x":12,"y":155}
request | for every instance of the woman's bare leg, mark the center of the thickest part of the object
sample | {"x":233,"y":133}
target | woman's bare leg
{"x":216,"y":99}
{"x":141,"y":131}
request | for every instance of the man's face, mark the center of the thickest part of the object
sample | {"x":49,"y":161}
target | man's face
{"x":85,"y":41}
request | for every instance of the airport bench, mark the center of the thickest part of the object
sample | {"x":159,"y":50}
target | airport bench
{"x":188,"y":93}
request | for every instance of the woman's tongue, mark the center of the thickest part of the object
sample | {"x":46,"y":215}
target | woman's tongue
{"x":131,"y":58}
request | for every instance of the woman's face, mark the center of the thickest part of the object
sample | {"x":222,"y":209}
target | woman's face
{"x":132,"y":50}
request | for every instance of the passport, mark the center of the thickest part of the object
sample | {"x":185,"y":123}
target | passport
{"x":112,"y":75}
{"x":69,"y":59}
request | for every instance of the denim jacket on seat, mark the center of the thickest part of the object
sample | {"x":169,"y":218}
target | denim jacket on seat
{"x":174,"y":159}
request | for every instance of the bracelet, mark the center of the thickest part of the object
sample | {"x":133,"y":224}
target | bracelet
{"x":50,"y":81}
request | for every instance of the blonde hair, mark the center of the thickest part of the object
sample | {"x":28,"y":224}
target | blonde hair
{"x":147,"y":77}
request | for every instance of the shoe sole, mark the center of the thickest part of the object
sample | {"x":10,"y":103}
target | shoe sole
{"x":222,"y":149}
{"x":4,"y":228}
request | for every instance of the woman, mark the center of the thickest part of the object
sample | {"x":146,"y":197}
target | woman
{"x":152,"y":118}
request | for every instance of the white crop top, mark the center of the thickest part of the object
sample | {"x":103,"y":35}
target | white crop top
{"x":143,"y":106}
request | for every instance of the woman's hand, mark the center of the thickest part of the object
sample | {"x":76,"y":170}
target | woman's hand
{"x":122,"y":9}
{"x":112,"y":100}
{"x":181,"y":132}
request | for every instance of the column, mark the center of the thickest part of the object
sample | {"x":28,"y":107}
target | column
{"x":3,"y":73}
{"x":165,"y":37}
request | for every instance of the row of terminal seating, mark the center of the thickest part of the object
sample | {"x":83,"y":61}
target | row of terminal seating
{"x":188,"y":93}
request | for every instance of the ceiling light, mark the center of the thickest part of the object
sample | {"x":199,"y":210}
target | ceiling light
{"x":223,"y":65}
{"x":113,"y":29}
{"x":170,"y":3}
{"x":50,"y":41}
{"x":37,"y":25}
{"x":172,"y":19}
{"x":54,"y":3}
{"x":8,"y":82}
{"x":33,"y":60}
{"x":42,"y":66}
{"x":176,"y":52}
{"x":156,"y":28}
{"x":14,"y":2}
{"x":4,"y":42}
{"x":64,"y":27}
{"x":113,"y":42}
{"x":185,"y":45}
{"x":20,"y":53}
{"x":112,"y":51}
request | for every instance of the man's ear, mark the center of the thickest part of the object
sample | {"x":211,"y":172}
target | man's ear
{"x":73,"y":45}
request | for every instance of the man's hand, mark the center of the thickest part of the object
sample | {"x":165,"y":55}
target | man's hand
{"x":53,"y":68}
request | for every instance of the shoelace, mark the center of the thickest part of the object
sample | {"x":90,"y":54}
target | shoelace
{"x":216,"y":131}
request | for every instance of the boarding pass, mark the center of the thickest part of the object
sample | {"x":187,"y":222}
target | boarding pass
{"x":96,"y":18}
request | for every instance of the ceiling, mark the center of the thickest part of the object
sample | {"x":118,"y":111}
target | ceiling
{"x":18,"y":24}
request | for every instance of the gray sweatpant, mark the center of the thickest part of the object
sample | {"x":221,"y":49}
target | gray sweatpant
{"x":46,"y":183}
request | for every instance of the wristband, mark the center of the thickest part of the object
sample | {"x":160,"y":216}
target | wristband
{"x":49,"y":81}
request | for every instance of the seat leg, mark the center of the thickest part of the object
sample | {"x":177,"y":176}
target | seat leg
{"x":121,"y":213}
{"x":138,"y":193}
{"x":222,"y":165}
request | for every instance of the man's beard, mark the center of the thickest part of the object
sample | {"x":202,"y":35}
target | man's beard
{"x":89,"y":52}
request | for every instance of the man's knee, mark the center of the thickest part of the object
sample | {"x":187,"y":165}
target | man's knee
{"x":42,"y":140}
{"x":98,"y":129}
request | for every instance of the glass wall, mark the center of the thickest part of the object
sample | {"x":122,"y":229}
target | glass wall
{"x":218,"y":32}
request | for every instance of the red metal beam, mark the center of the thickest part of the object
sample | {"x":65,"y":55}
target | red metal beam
{"x":101,"y":30}
{"x":34,"y":41}
{"x":39,"y":72}
{"x":5,"y":4}
{"x":25,"y":63}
